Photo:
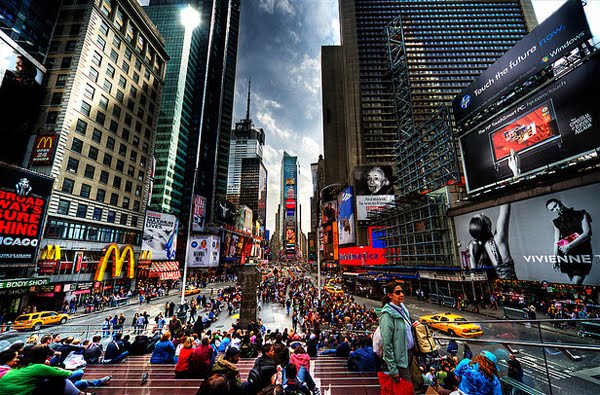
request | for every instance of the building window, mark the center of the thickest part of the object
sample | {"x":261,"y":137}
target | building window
{"x":93,"y":153}
{"x":89,"y":91}
{"x":97,"y":215}
{"x":103,"y":179}
{"x":81,"y":210}
{"x":117,"y":182}
{"x":104,"y":28}
{"x":77,"y":145}
{"x":56,"y":98}
{"x":127,"y":54}
{"x":123,"y":150}
{"x":114,"y":199}
{"x":97,"y":59}
{"x":63,"y":207}
{"x":123,"y":220}
{"x":134,"y":221}
{"x":86,"y":109}
{"x":100,"y":117}
{"x":125,"y":67}
{"x":89,"y":172}
{"x":93,"y":74}
{"x":125,"y":134}
{"x":81,"y":126}
{"x":103,"y":103}
{"x":107,"y":159}
{"x":97,"y":135}
{"x":122,"y":82}
{"x":114,"y":55}
{"x":101,"y":43}
{"x":70,"y":46}
{"x":110,"y":71}
{"x":120,"y":165}
{"x":68,"y":185}
{"x":51,"y":117}
{"x":72,"y":165}
{"x":136,"y":205}
{"x":61,"y":80}
{"x":128,"y":186}
{"x":111,"y":216}
{"x":120,"y":96}
{"x":66,"y":63}
{"x":107,"y":86}
{"x":110,"y":143}
{"x":117,"y":42}
{"x":100,"y":194}
{"x":114,"y":126}
{"x":85,"y":190}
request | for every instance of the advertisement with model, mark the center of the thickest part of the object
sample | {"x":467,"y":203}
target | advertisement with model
{"x":345,"y":203}
{"x":555,"y":125}
{"x":199,"y":213}
{"x":160,"y":235}
{"x":551,"y":238}
{"x":374,"y":189}
{"x":554,"y":38}
{"x":204,"y":251}
{"x":20,"y":98}
{"x":23,"y":201}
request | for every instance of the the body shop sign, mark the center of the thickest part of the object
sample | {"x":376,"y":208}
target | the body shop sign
{"x":23,"y":200}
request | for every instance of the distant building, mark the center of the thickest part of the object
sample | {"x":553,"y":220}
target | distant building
{"x":289,"y":205}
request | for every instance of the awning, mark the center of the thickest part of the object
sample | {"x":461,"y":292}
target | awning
{"x":165,"y":270}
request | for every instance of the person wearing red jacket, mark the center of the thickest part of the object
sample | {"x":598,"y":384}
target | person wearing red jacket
{"x":183,"y":368}
{"x":203,"y":358}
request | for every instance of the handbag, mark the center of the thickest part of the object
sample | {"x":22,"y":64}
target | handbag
{"x":431,"y":391}
{"x":424,"y":342}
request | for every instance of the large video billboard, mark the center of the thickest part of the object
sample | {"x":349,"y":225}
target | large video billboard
{"x":550,"y":238}
{"x":374,"y":189}
{"x":160,"y":235}
{"x":204,"y":251}
{"x":345,"y":203}
{"x":556,"y":36}
{"x":554,"y":125}
{"x":20,"y":97}
{"x":23,"y":200}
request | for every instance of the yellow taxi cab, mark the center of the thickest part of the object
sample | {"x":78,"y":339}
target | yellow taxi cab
{"x":334,"y":290}
{"x":191,"y":291}
{"x":35,"y":321}
{"x":452,"y":324}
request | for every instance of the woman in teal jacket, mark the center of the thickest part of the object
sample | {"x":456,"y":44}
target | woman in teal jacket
{"x":397,"y":341}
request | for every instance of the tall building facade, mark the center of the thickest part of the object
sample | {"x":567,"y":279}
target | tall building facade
{"x":288,"y":209}
{"x":253,"y":191}
{"x":101,"y":107}
{"x":206,"y":112}
{"x":246,"y":142}
{"x":473,"y":33}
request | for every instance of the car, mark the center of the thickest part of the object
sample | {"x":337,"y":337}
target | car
{"x":334,"y":290}
{"x":191,"y":290}
{"x":452,"y":324}
{"x":35,"y":321}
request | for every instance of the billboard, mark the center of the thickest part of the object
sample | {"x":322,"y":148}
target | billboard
{"x":204,"y":251}
{"x":244,"y":219}
{"x":23,"y":200}
{"x":199,"y":213}
{"x":374,"y":189}
{"x":554,"y":125}
{"x":563,"y":31}
{"x":225,"y":212}
{"x":20,"y":98}
{"x":547,"y":238}
{"x":160,"y":235}
{"x":345,"y":203}
{"x":329,"y":212}
{"x":362,"y":256}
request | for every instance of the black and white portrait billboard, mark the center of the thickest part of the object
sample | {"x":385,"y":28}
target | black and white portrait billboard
{"x":374,"y":189}
{"x":551,"y":238}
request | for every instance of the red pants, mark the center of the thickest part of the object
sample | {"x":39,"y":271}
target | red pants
{"x":391,"y":387}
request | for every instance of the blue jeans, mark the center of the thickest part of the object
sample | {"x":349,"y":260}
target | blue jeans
{"x":118,"y":358}
{"x":303,"y":375}
{"x":76,"y":379}
{"x":328,"y":351}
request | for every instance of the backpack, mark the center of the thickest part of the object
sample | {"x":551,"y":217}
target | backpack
{"x":377,"y":342}
{"x":254,"y":377}
{"x":424,"y":342}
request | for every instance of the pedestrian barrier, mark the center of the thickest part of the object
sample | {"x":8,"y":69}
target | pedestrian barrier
{"x":510,"y":386}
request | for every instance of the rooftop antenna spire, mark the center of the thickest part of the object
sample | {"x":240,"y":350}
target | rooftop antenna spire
{"x":248,"y":107}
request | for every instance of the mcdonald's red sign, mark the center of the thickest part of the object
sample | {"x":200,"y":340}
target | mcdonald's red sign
{"x":43,"y":149}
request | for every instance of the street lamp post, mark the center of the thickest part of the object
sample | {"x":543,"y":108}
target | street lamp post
{"x":190,"y":19}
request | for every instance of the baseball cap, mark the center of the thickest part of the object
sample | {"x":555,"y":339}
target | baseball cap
{"x":490,"y":356}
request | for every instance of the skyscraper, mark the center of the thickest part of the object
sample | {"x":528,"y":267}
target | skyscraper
{"x":289,"y":205}
{"x":246,"y":142}
{"x":100,"y":109}
{"x":205,"y":114}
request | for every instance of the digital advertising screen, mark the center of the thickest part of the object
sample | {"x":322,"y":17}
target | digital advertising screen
{"x":557,"y":124}
{"x":553,"y":238}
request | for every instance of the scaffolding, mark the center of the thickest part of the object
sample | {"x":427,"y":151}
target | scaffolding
{"x":416,"y":229}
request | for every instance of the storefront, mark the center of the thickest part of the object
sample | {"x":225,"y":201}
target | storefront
{"x":15,"y":294}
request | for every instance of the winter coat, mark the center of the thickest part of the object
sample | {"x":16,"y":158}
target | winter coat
{"x":363,"y":360}
{"x":164,"y":352}
{"x":230,"y":371}
{"x":300,"y":360}
{"x":394,"y":340}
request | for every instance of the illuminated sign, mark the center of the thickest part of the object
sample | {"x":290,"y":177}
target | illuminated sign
{"x":43,"y":149}
{"x":118,"y":258}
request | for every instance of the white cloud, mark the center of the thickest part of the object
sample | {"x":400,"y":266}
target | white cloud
{"x":307,"y":74}
{"x":270,"y":6}
{"x":294,"y":37}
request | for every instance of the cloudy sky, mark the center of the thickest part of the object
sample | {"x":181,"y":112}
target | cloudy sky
{"x":279,"y":49}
